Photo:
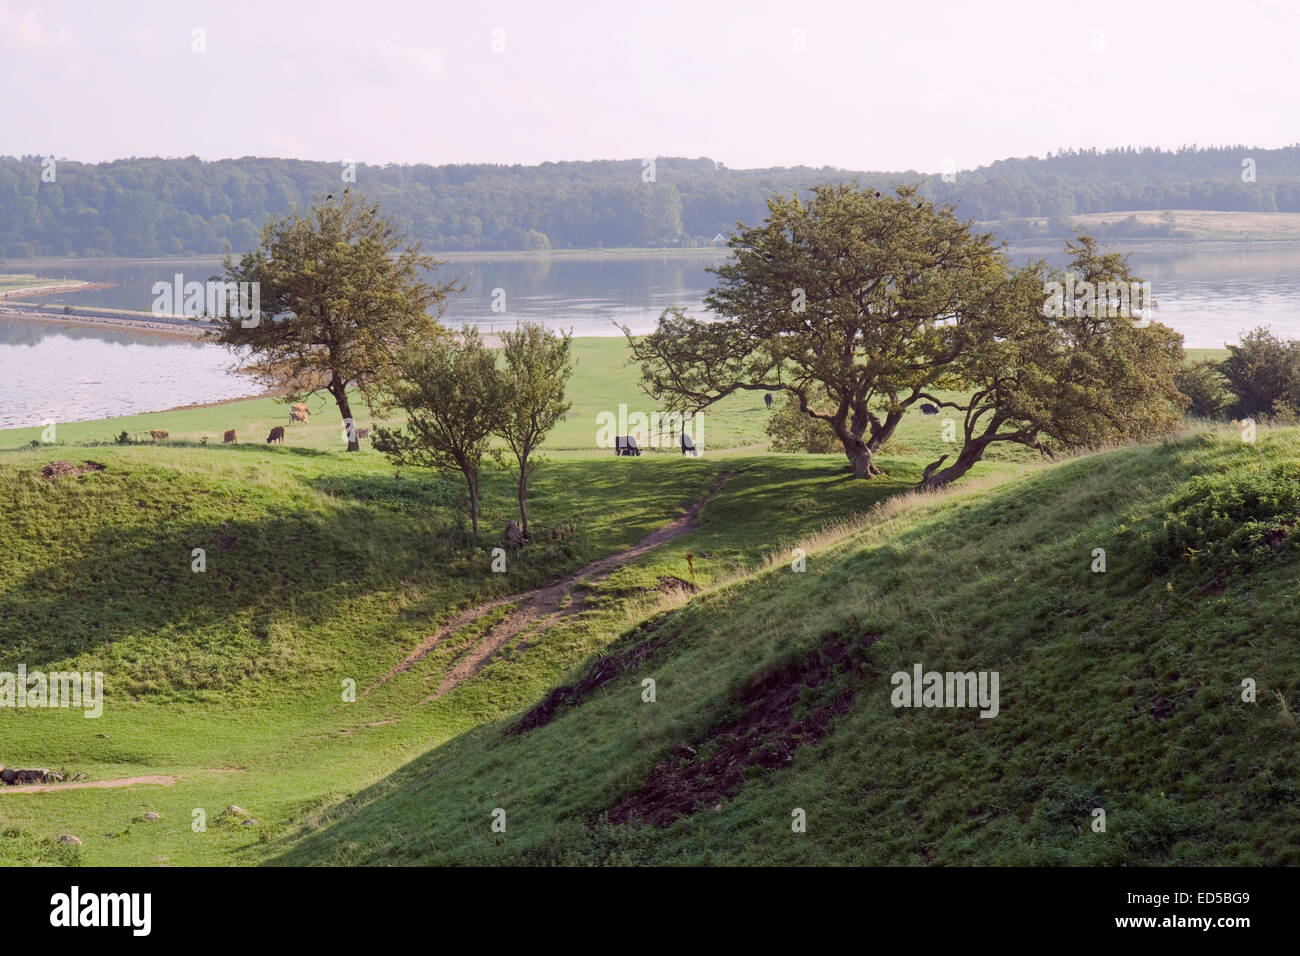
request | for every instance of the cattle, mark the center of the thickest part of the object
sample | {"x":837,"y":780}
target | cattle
{"x":688,"y":446}
{"x":297,"y":414}
{"x":626,"y":445}
{"x":363,"y":433}
{"x":928,"y":409}
{"x":277,"y":434}
{"x":301,"y":406}
{"x":158,"y":434}
{"x":768,"y":399}
{"x":230,"y":437}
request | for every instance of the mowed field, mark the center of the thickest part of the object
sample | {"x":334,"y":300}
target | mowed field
{"x":326,"y":571}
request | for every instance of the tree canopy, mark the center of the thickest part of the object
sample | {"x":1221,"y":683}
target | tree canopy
{"x":342,"y":296}
{"x":858,"y":306}
{"x":157,"y":207}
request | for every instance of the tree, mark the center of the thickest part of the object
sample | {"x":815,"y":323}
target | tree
{"x":452,"y":395}
{"x":341,"y":298}
{"x":537,"y":366}
{"x":1077,"y":375}
{"x":850,"y":302}
{"x":1262,"y":371}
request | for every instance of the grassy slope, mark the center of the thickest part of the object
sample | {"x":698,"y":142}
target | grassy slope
{"x":1119,"y":690}
{"x":323,"y":566}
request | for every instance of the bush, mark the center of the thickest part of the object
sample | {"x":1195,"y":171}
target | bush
{"x":1205,"y":388}
{"x":1261,"y":372}
{"x":1221,"y":525}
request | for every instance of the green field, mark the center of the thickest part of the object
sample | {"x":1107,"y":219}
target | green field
{"x":1119,"y":690}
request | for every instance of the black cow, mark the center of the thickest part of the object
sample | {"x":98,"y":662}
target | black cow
{"x":626,"y":445}
{"x":768,"y":398}
{"x":928,"y":409}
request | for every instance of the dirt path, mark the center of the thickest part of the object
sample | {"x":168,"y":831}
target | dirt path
{"x":538,"y":609}
{"x":163,"y":779}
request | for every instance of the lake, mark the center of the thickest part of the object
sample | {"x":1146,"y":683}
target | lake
{"x":1210,"y":293}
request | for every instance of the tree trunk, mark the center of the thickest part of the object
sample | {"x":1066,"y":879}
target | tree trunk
{"x":523,"y":496}
{"x":345,"y":409}
{"x":860,"y":455}
{"x":971,"y":453}
{"x":471,"y":482}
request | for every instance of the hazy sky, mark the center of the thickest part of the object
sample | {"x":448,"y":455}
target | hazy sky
{"x":904,"y":85}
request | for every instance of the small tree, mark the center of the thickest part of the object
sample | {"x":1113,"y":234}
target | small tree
{"x":451,"y":393}
{"x":537,"y":366}
{"x":341,"y":298}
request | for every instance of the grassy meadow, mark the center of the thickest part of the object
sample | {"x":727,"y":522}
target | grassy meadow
{"x":1120,"y":689}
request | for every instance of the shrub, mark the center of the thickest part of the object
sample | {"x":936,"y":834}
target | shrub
{"x":1221,"y":525}
{"x":1204,"y":388}
{"x":1261,"y":372}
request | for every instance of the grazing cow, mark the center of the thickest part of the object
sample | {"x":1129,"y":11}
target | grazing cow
{"x":626,"y":445}
{"x":363,"y":433}
{"x":768,"y":399}
{"x":928,"y":409}
{"x":297,"y":414}
{"x":277,"y":434}
{"x":158,"y":434}
{"x":688,"y":446}
{"x":230,"y":436}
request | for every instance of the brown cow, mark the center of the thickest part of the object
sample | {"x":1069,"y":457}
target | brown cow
{"x":230,"y":436}
{"x":277,"y":434}
{"x":157,"y":434}
{"x":299,"y":405}
{"x":297,"y":414}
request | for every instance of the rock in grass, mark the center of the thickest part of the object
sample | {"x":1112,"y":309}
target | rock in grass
{"x":69,"y":838}
{"x":234,"y":811}
{"x":153,"y":816}
{"x":250,"y":822}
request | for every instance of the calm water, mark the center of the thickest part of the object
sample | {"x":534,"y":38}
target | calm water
{"x":1210,"y":294}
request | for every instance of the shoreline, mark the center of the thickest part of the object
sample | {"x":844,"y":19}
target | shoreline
{"x":141,"y":326}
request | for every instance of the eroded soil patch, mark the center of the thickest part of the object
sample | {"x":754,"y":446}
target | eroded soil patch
{"x":601,"y":672}
{"x":66,"y":469}
{"x":764,"y":737}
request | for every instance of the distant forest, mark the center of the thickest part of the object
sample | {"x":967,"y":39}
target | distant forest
{"x":162,"y":207}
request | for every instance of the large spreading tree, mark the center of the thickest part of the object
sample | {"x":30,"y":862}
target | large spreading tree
{"x":342,"y":297}
{"x":851,"y":302}
{"x":858,"y":306}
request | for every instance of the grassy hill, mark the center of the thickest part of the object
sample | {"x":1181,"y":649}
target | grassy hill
{"x":1119,"y":690}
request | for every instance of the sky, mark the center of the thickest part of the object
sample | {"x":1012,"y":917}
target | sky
{"x":904,"y":85}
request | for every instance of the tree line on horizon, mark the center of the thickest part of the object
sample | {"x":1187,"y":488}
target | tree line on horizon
{"x":162,"y":207}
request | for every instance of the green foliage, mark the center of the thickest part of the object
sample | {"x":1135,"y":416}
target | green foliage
{"x":154,"y":207}
{"x":1205,"y":389}
{"x":1223,"y":525}
{"x":341,"y":295}
{"x":454,"y":400}
{"x":537,"y":366}
{"x":851,"y":302}
{"x":792,"y":431}
{"x":1263,"y":372}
